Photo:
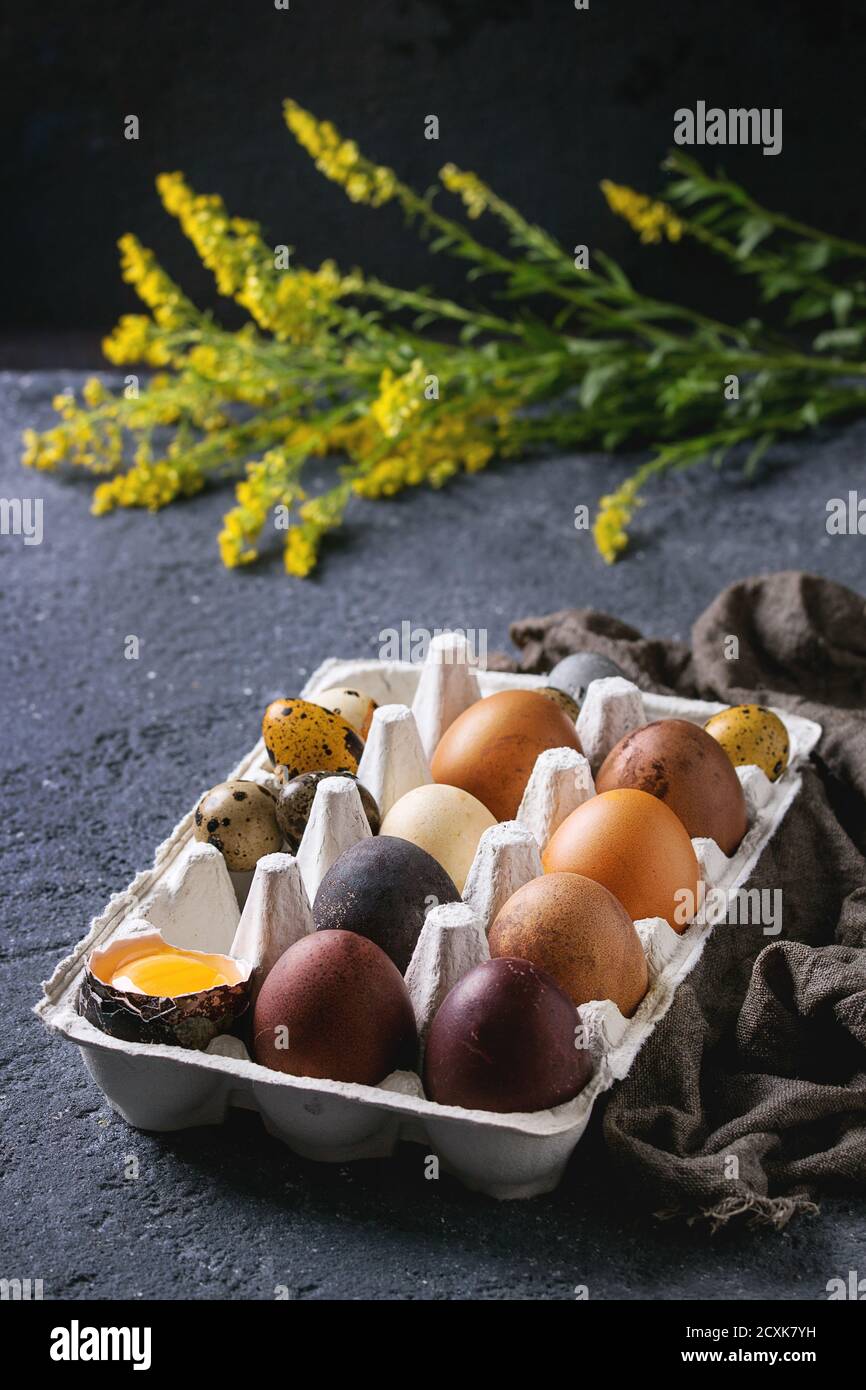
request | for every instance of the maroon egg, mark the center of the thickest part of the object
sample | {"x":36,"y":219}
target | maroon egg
{"x":335,"y":1006}
{"x":684,"y":766}
{"x":506,"y":1038}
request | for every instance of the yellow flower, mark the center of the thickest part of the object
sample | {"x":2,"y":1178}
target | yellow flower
{"x":399,"y":400}
{"x":650,"y":218}
{"x":341,"y":160}
{"x":300,"y":552}
{"x":475,"y":194}
{"x":616,"y":510}
{"x":94,"y":392}
{"x":150,"y":485}
{"x":292,"y":304}
{"x":140,"y":268}
{"x":134,"y":339}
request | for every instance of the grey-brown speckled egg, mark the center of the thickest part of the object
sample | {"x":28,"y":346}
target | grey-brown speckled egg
{"x":239,"y":818}
{"x":295,"y":802}
{"x":561,"y":698}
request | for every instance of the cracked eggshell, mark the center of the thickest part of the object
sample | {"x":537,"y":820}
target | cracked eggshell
{"x":239,"y":819}
{"x":447,"y":822}
{"x":334,"y":1006}
{"x":305,"y":737}
{"x":491,"y":748}
{"x":504,"y":1039}
{"x":681,"y":764}
{"x":190,"y":1020}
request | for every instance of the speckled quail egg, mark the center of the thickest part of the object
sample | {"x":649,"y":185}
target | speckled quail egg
{"x":239,"y":818}
{"x":752,"y":734}
{"x":355,"y":707}
{"x":295,"y":798}
{"x":307,"y":738}
{"x":561,"y":698}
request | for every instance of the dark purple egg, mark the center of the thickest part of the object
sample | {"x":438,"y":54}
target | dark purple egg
{"x":506,"y":1038}
{"x":383,"y":888}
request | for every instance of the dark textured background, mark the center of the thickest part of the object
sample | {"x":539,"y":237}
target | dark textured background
{"x":102,"y":755}
{"x":542,"y":100}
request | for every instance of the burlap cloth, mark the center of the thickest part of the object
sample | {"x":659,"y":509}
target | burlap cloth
{"x":763,"y":1054}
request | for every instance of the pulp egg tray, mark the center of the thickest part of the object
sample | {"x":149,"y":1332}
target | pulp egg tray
{"x":192,"y":899}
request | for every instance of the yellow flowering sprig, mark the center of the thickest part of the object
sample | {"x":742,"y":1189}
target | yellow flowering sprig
{"x":327,"y":364}
{"x":651,"y":219}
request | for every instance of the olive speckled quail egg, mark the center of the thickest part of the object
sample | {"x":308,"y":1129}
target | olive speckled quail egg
{"x":752,"y":734}
{"x":307,"y":738}
{"x":295,"y":798}
{"x":239,"y":819}
{"x":355,"y":707}
{"x":561,"y":698}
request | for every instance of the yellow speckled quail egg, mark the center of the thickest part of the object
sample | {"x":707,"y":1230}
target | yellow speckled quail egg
{"x":305,"y":737}
{"x":752,"y":734}
{"x":240,"y":819}
{"x":355,"y":707}
{"x":445,"y":821}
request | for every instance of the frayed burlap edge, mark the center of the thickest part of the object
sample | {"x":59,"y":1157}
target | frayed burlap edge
{"x":775,"y":1212}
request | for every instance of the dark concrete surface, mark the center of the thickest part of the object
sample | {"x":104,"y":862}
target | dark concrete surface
{"x":100,"y":757}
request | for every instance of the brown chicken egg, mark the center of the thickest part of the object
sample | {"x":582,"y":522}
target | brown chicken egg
{"x":505,"y":1038}
{"x":682,"y":765}
{"x":491,"y":748}
{"x":574,"y":929}
{"x":335,"y":1006}
{"x":635,"y":845}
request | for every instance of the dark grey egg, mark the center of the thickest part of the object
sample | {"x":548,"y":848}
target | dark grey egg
{"x":575,"y":673}
{"x":383,"y":888}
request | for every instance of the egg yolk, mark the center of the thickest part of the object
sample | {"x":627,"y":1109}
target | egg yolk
{"x":167,"y":974}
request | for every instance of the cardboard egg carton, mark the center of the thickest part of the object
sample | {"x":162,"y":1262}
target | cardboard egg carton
{"x":192,"y":899}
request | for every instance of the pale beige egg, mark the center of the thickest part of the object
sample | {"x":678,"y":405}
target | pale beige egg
{"x":355,"y":707}
{"x":445,"y":821}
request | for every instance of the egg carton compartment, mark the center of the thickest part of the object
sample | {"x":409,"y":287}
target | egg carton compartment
{"x":190,"y":897}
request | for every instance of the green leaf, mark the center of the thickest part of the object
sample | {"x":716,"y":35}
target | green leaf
{"x":752,"y":232}
{"x":595,"y":380}
{"x":756,"y":453}
{"x":839,"y":339}
{"x":811,"y":255}
{"x":808,"y":306}
{"x":841,"y":304}
{"x":614,"y":272}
